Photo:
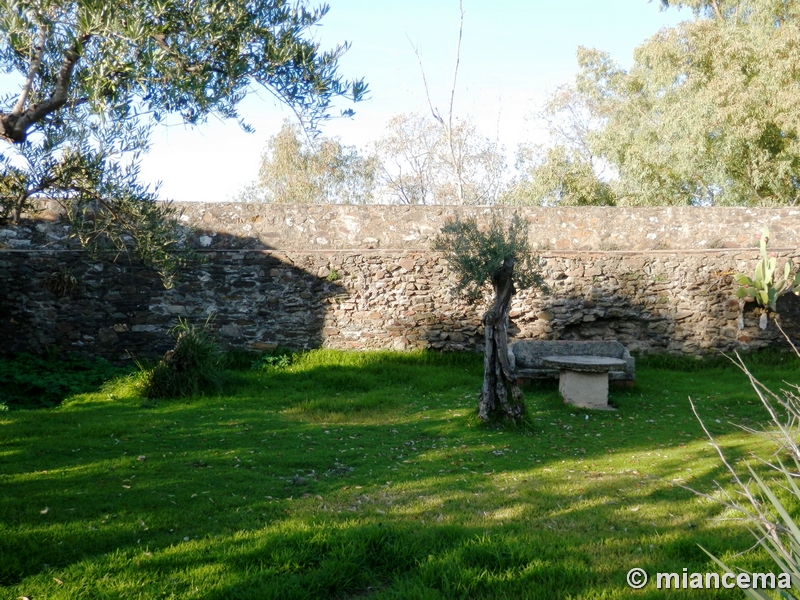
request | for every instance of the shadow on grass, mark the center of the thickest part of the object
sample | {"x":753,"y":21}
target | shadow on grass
{"x":29,"y":382}
{"x":328,"y":480}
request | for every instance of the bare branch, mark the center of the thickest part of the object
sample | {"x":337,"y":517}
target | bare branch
{"x":717,"y":11}
{"x":458,"y":62}
{"x":457,"y":162}
{"x":788,"y":339}
{"x":434,"y":112}
{"x":161,"y":41}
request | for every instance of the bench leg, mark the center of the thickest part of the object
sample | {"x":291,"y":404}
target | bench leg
{"x":585,"y":390}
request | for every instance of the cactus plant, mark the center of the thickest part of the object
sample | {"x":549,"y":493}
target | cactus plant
{"x":764,"y":288}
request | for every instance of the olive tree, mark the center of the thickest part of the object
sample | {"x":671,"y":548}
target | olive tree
{"x":499,"y":256}
{"x":94,"y":76}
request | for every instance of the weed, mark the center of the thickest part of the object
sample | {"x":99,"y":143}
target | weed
{"x":238,"y":359}
{"x":62,"y":283}
{"x":688,"y":364}
{"x":767,"y":490}
{"x":280,"y":358}
{"x":608,"y":246}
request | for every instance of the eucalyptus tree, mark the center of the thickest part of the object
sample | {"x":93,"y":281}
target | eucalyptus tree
{"x":708,"y":114}
{"x":93,"y":76}
{"x":298,"y":169}
{"x":566,"y":170}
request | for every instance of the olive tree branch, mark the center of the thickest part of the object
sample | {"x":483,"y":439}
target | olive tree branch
{"x":14,"y":127}
{"x":36,"y":63}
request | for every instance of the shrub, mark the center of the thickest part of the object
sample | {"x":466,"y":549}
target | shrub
{"x":238,"y":359}
{"x":767,"y":502}
{"x":191,"y":368}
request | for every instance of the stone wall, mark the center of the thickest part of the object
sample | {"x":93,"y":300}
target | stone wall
{"x":656,"y":279}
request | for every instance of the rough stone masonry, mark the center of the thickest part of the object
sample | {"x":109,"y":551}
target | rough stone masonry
{"x":656,"y":279}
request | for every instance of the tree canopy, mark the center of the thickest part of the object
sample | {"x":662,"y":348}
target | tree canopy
{"x":296,"y":169}
{"x":432,"y":161}
{"x":707,"y":115}
{"x":163,"y":56}
{"x":94,"y":77}
{"x":563,"y":171}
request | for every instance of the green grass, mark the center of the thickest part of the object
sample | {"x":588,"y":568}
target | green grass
{"x":28,"y":381}
{"x":368,"y":475}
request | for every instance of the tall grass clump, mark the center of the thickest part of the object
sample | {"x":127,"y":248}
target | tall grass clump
{"x":192,"y":368}
{"x":767,"y":494}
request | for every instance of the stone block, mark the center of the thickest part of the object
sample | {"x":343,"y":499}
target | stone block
{"x":107,"y":335}
{"x":584,"y":390}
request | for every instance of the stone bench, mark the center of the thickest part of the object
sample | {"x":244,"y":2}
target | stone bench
{"x":527,"y":357}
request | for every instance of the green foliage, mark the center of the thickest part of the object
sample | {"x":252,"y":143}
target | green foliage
{"x":764,"y":287}
{"x":559,"y":178}
{"x":28,"y":381}
{"x":298,"y":170}
{"x":776,"y":12}
{"x":238,"y":359}
{"x":564,"y":172}
{"x":475,"y":256}
{"x":707,"y":114}
{"x":61,"y":283}
{"x":690,"y":364}
{"x":93,"y":78}
{"x":280,"y":358}
{"x":191,"y":368}
{"x":165,"y":56}
{"x":90,"y":168}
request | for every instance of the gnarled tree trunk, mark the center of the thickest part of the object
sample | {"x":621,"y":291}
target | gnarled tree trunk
{"x":500,"y":396}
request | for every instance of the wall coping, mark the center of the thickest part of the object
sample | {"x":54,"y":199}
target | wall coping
{"x":395,"y":228}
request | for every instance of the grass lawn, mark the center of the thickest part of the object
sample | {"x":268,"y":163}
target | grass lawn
{"x":368,"y":475}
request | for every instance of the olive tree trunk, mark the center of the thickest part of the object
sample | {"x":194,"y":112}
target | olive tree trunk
{"x":500,"y":396}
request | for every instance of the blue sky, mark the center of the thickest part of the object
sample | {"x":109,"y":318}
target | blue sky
{"x":513,"y":53}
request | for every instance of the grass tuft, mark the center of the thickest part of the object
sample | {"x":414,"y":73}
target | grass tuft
{"x":191,"y":368}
